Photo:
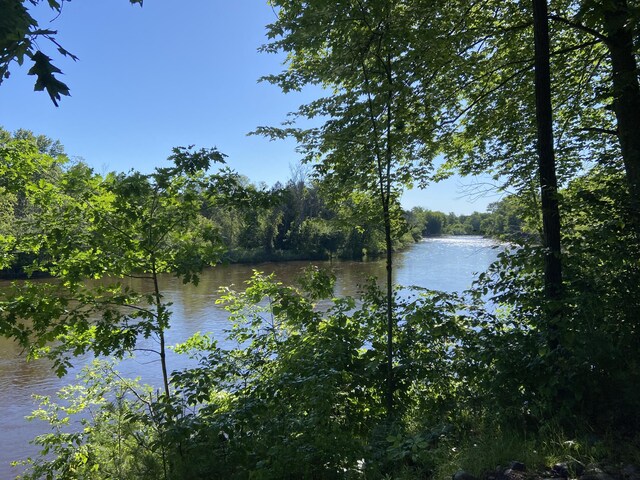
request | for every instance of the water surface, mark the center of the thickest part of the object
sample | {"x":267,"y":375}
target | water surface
{"x":442,"y":263}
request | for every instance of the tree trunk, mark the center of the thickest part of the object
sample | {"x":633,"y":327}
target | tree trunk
{"x":626,"y":97}
{"x":390,"y":322}
{"x":547,"y":171}
{"x":160,"y":314}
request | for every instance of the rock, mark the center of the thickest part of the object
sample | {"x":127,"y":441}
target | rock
{"x":517,"y":466}
{"x":567,"y":469}
{"x":593,"y":472}
{"x":630,"y":472}
{"x":511,"y":474}
{"x":560,"y":470}
{"x":462,"y":475}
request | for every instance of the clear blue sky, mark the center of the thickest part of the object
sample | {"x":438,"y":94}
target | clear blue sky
{"x":169,"y":74}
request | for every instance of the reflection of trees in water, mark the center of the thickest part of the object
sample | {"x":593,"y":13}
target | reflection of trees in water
{"x":16,"y":372}
{"x":20,"y":378}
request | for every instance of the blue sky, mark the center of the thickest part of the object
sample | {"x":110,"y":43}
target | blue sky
{"x":168,"y":74}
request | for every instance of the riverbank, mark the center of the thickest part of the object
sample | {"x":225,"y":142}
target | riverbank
{"x":246,"y":256}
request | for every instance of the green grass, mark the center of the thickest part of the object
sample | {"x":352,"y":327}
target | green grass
{"x":492,"y":448}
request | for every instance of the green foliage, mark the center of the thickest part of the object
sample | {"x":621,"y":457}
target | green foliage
{"x":531,"y":384}
{"x":301,"y":395}
{"x":304,"y":221}
{"x":100,"y":428}
{"x":603,"y":276}
{"x":83,"y":227}
{"x":20,"y":33}
{"x":506,"y":219}
{"x":25,"y":160}
{"x":303,"y":390}
{"x":299,"y":392}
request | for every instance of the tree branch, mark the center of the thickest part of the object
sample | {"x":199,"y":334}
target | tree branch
{"x":607,"y":131}
{"x":578,"y":26}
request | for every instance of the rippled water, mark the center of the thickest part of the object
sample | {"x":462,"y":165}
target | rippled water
{"x":443,"y":263}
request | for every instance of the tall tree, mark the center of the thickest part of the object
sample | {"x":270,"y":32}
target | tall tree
{"x":596,"y":94}
{"x":375,"y":132}
{"x":547,"y":166}
{"x":620,"y":25}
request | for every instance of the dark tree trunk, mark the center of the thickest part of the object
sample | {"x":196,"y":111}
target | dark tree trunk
{"x":547,"y":170}
{"x":626,"y":97}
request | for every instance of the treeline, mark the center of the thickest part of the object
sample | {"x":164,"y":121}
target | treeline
{"x":504,"y":220}
{"x":302,"y":222}
{"x":294,"y":220}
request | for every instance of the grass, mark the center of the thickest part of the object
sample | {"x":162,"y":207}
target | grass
{"x":495,"y":448}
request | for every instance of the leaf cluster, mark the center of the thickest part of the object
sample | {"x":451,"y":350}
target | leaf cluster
{"x":20,"y":33}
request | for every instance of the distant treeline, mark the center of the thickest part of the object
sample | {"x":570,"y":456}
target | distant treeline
{"x":305,"y":223}
{"x":502,"y":220}
{"x":299,"y":219}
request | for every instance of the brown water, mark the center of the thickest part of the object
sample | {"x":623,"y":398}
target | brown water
{"x":446,"y":263}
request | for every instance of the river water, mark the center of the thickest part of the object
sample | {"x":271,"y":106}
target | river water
{"x":442,"y":263}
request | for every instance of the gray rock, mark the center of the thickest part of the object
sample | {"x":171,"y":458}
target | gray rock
{"x":512,"y":474}
{"x":560,"y":470}
{"x":593,"y":472}
{"x":462,"y":475}
{"x":517,"y":466}
{"x":630,"y":472}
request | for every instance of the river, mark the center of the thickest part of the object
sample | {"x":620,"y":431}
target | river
{"x":442,"y":263}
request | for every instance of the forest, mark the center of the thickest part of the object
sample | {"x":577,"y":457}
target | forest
{"x":294,"y":220}
{"x":537,"y":364}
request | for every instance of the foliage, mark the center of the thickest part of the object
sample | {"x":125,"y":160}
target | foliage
{"x":593,"y":367}
{"x":300,"y":395}
{"x":376,"y":135}
{"x":24,"y":159}
{"x":306,"y":389}
{"x":304,"y":222}
{"x":20,"y":33}
{"x":83,"y":227}
{"x":100,"y":429}
{"x":296,"y":220}
{"x":603,"y":277}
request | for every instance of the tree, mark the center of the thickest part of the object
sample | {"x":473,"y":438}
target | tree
{"x":506,"y":219}
{"x":547,"y":171}
{"x":375,"y":137}
{"x":19,"y":35}
{"x":613,"y":26}
{"x":595,"y":90}
{"x":121,"y":226}
{"x":25,"y":159}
